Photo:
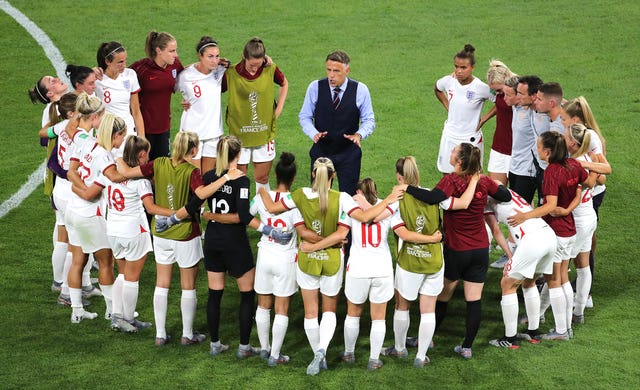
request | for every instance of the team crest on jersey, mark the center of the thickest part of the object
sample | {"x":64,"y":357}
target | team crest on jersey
{"x":470,"y":95}
{"x":174,"y":73}
{"x":420,"y":221}
{"x":316,"y":225}
{"x":126,"y":84}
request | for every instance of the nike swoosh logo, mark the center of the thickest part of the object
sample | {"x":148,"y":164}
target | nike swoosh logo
{"x":153,"y":77}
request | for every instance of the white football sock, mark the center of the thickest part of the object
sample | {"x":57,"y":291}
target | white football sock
{"x":58,"y":256}
{"x":280,"y":324}
{"x":76,"y":300}
{"x":107,"y":294}
{"x":263,"y":319}
{"x":160,"y":298}
{"x":129,"y":299}
{"x":568,"y":296}
{"x":559,"y":307}
{"x":509,"y":305}
{"x":260,"y":185}
{"x":86,"y":275}
{"x":312,"y":329}
{"x":351,"y":331}
{"x":583,"y":285}
{"x":376,"y":338}
{"x":425,"y":333}
{"x":400,"y":328}
{"x":65,"y":274}
{"x":327,"y":329}
{"x":116,"y":297}
{"x":545,"y":302}
{"x":188,"y":304}
{"x":532,"y":306}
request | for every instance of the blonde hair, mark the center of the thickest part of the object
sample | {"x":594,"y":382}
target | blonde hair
{"x":580,"y":135}
{"x":498,"y":72}
{"x":229,"y":147}
{"x":110,"y":125}
{"x":579,"y":108}
{"x":407,"y":167}
{"x":87,"y":105}
{"x":182,"y":144}
{"x":323,"y":170}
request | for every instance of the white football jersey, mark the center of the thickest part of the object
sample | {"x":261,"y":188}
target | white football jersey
{"x":503,"y":210}
{"x":465,"y":104}
{"x":202,"y":91}
{"x":585,"y":208}
{"x":125,"y":212}
{"x":370,"y":256}
{"x":116,"y":95}
{"x":93,"y":160}
{"x":283,"y":220}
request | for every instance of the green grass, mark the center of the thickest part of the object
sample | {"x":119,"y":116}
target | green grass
{"x":399,"y":50}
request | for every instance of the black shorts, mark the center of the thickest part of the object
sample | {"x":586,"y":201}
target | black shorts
{"x":470,"y":266}
{"x":597,"y":201}
{"x":234,"y":258}
{"x":524,"y":186}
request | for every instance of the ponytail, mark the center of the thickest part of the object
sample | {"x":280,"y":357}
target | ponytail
{"x":557,"y":146}
{"x":323,"y":173}
{"x":368,"y":188}
{"x":183,"y":143}
{"x":133,"y":146}
{"x":228,"y":149}
{"x":407,"y":167}
{"x":470,"y":159}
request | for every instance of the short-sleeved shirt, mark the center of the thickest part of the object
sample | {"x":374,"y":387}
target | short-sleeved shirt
{"x":502,"y":138}
{"x":116,"y":95}
{"x":465,"y":104}
{"x":563,"y":182}
{"x":370,"y":256}
{"x":126,"y":215}
{"x":464,"y":229}
{"x":202,"y":91}
{"x":93,"y":160}
{"x":156,"y":86}
{"x":282,"y":220}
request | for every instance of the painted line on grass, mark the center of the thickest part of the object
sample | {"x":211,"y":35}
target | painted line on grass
{"x":59,"y":64}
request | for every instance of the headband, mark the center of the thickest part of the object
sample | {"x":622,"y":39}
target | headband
{"x":214,"y":44}
{"x":43,"y":97}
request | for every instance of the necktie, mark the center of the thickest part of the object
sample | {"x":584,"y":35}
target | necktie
{"x":336,"y":98}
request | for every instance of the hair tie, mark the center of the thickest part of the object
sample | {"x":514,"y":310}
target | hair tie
{"x":214,"y":44}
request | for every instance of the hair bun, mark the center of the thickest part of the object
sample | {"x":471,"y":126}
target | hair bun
{"x":469,"y":48}
{"x":287,"y":158}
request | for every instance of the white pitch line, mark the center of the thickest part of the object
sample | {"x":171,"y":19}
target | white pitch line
{"x":58,"y":62}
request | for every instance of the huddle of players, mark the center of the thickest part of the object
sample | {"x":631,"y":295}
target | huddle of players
{"x":531,"y":100}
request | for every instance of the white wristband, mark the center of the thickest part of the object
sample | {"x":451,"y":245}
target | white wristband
{"x":227,"y":177}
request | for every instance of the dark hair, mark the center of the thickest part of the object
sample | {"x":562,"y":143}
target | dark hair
{"x":470,"y":159}
{"x":368,"y":188}
{"x":133,"y":146}
{"x":66,"y":104}
{"x":533,"y":83}
{"x":157,"y":40}
{"x":107,"y":51}
{"x":286,"y":169}
{"x":205,"y":41}
{"x":39,"y":93}
{"x":339,"y":56}
{"x":552,"y":90}
{"x":77,"y":74}
{"x":557,"y":146}
{"x":254,"y":49}
{"x":467,"y":53}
